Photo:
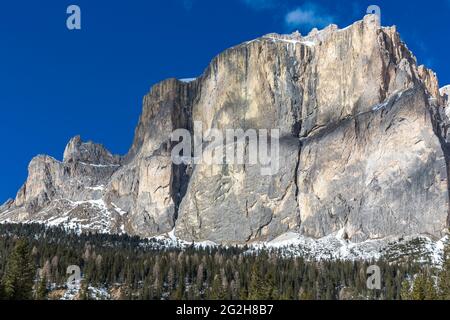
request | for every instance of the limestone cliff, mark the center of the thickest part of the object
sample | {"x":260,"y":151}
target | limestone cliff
{"x":363,"y":148}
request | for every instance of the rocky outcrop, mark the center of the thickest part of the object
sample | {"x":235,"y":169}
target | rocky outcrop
{"x":150,"y":187}
{"x":359,"y":150}
{"x":377,"y":174}
{"x":363,"y":148}
{"x":69,"y":191}
{"x":89,"y":153}
{"x":445,"y":92}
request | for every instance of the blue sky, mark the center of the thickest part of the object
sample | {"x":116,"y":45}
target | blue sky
{"x":56,"y":83}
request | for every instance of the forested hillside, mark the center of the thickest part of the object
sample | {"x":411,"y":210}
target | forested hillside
{"x":34,"y":260}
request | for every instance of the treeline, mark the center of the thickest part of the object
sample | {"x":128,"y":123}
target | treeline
{"x":34,"y":259}
{"x":429,"y":283}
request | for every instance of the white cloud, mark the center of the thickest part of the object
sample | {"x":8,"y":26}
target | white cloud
{"x":308,"y":16}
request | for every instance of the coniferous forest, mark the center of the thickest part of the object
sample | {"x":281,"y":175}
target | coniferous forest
{"x":34,"y":260}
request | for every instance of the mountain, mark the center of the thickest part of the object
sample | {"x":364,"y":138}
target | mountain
{"x":364,"y":149}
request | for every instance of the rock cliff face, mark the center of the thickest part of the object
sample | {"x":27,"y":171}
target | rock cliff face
{"x":364,"y":149}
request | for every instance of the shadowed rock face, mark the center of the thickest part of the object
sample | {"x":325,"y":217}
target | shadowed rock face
{"x":363,"y":149}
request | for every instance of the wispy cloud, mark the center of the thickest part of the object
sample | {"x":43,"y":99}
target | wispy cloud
{"x":260,"y":4}
{"x":307,"y":16}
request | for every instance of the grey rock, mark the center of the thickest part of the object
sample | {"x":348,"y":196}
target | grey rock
{"x":377,"y":174}
{"x":364,"y":149}
{"x":328,"y":90}
{"x":89,"y":152}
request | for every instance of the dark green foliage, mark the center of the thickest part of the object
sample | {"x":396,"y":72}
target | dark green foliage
{"x":147,"y":269}
{"x":42,"y":290}
{"x":429,"y":283}
{"x":84,"y":292}
{"x":19,"y":275}
{"x":444,"y":278}
{"x":262,"y":280}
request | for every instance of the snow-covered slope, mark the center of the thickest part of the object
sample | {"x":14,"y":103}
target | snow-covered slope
{"x":421,"y":249}
{"x":335,"y":247}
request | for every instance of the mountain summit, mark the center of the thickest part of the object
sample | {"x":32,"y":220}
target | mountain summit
{"x":364,"y":149}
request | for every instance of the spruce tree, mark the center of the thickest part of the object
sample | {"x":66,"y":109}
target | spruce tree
{"x":423,"y":288}
{"x":19,"y":274}
{"x":405,"y":292}
{"x":256,"y":283}
{"x":41,"y":290}
{"x":2,"y":292}
{"x":218,"y":292}
{"x":444,"y":277}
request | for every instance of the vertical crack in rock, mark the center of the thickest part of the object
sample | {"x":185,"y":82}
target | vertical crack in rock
{"x":181,"y":173}
{"x":180,"y":180}
{"x":297,"y":186}
{"x":296,"y":132}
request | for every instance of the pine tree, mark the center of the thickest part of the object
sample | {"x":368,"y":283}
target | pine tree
{"x":256,"y":283}
{"x":84,"y":291}
{"x":444,"y":277}
{"x":405,"y":292}
{"x":200,"y":275}
{"x":220,"y":273}
{"x":2,"y":292}
{"x":269,"y":291}
{"x":179,"y":292}
{"x":19,"y":275}
{"x":147,"y":290}
{"x":423,"y":288}
{"x":218,"y":292}
{"x":41,"y":290}
{"x":305,"y":295}
{"x":262,"y":286}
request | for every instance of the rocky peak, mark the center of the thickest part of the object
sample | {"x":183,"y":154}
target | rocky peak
{"x":166,"y":107}
{"x":88,"y":152}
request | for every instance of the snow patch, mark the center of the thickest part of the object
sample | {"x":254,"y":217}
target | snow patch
{"x":188,"y":80}
{"x":292,"y":41}
{"x":394,"y":98}
{"x":119,"y":210}
{"x":72,"y":291}
{"x":445,"y":89}
{"x":100,"y":222}
{"x":335,"y":247}
{"x":100,"y":165}
{"x":97,"y":188}
{"x":379,"y":106}
{"x":171,"y":235}
{"x":171,"y":240}
{"x":308,"y":43}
